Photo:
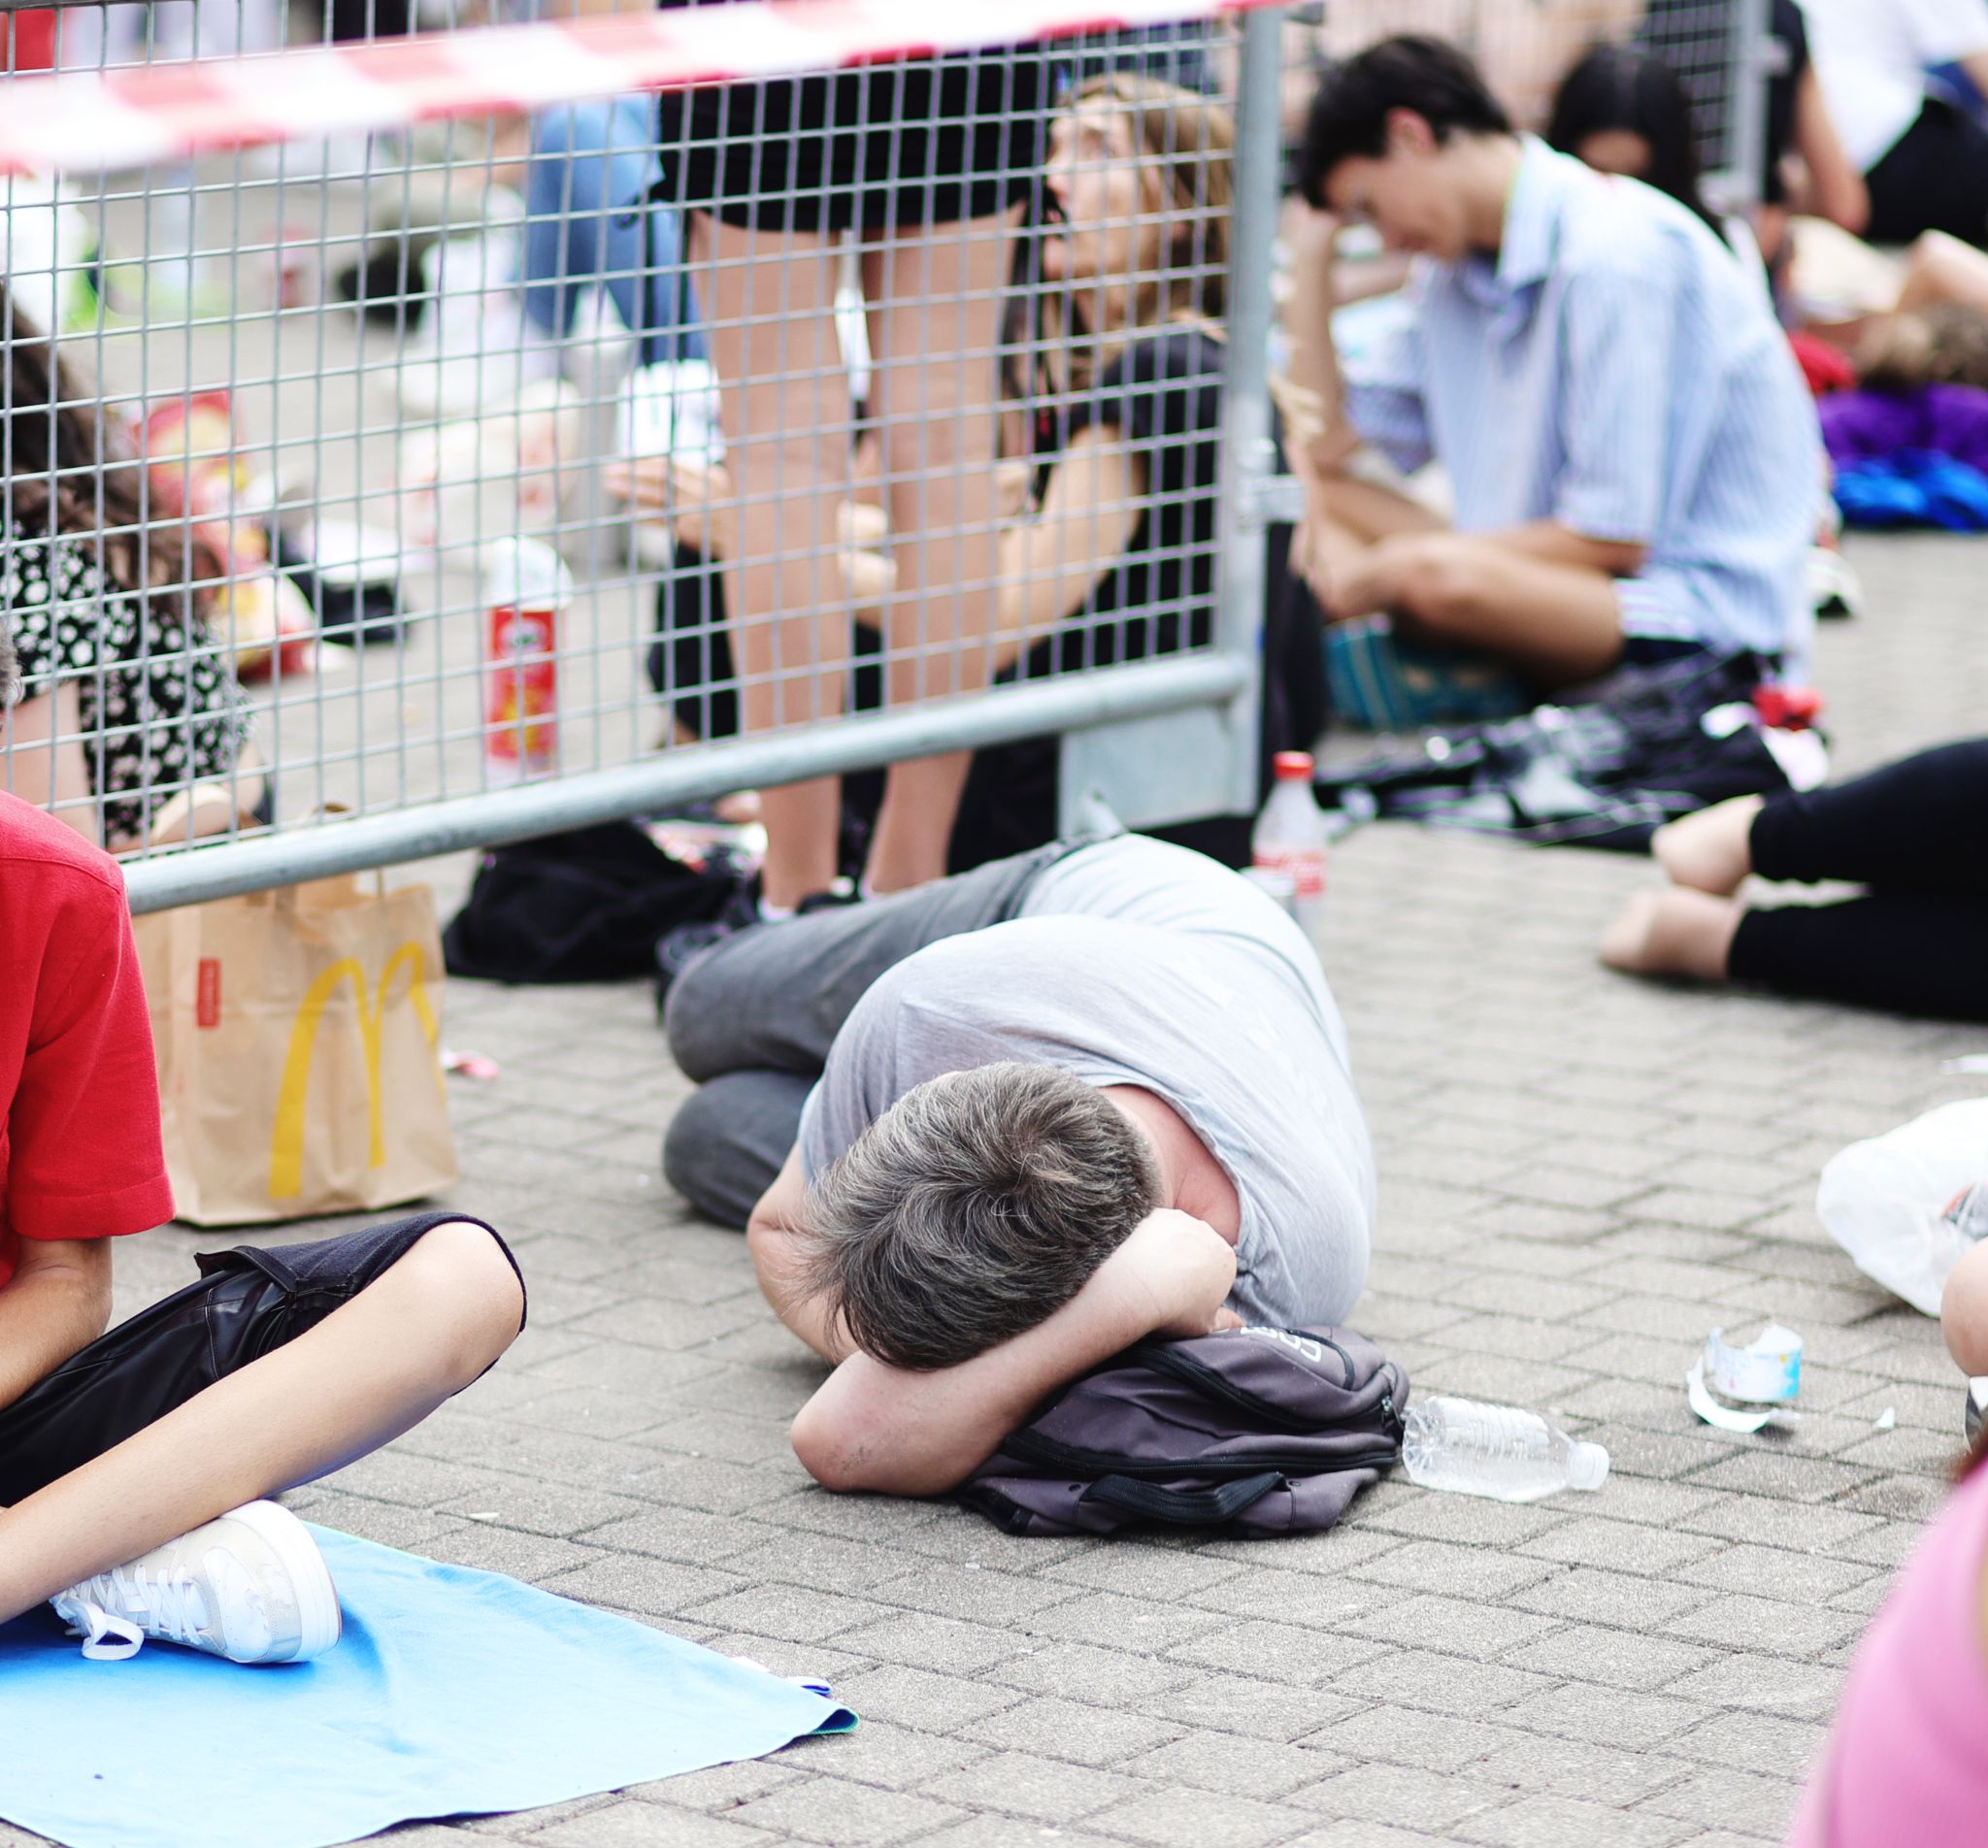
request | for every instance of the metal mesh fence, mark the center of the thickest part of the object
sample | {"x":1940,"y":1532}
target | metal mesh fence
{"x":379,"y":475}
{"x":376,"y":490}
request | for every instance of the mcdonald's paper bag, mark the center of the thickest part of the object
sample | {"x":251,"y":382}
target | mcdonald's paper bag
{"x":297,"y":1035}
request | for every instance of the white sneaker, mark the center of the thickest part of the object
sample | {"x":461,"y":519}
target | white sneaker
{"x":251,"y":1586}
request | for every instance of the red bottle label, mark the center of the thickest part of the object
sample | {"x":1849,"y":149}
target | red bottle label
{"x":206,"y":993}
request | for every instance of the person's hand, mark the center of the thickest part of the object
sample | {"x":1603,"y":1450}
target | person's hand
{"x":1184,"y":1269}
{"x":695,"y":500}
{"x":1013,"y":481}
{"x":1371,"y":581}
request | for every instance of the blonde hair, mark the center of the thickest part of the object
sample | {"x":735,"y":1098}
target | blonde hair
{"x":1184,"y":144}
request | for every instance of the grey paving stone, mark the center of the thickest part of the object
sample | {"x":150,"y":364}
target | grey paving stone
{"x":1582,"y":1768}
{"x":1395,"y":1794}
{"x":644,"y":1826}
{"x":1562,"y":1822}
{"x":1202,"y":1819}
{"x":1257,"y":1708}
{"x":1614,"y":1658}
{"x":1624,"y":1719}
{"x":1083,"y":1733}
{"x":1732,"y":1800}
{"x":1769,"y":1684}
{"x":847,"y":1815}
{"x":1227,"y":1761}
{"x":1043,"y":1788}
{"x":1280,"y":1652}
{"x":1773,"y":1624}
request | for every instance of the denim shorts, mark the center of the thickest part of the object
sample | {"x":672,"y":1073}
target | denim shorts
{"x":247,"y":1302}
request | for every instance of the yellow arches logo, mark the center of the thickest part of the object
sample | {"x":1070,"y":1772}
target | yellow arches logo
{"x":287,"y":1140}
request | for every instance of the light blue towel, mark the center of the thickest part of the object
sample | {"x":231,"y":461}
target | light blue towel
{"x":451,"y":1691}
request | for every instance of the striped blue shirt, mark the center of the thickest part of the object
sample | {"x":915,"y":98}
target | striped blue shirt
{"x":1616,"y":369}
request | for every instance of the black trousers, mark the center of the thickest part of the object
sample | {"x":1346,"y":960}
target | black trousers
{"x":1915,"y":833}
{"x":1933,"y":178}
{"x":246,"y":1304}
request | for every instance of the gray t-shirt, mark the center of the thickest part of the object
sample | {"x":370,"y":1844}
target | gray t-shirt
{"x":1137,"y":963}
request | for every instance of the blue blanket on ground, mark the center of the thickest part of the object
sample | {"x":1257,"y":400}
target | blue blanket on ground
{"x":451,"y":1691}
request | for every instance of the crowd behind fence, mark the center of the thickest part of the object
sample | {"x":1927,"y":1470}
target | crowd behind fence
{"x":373,"y":493}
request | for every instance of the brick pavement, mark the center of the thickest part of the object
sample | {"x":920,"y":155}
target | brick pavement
{"x":1580,"y":1176}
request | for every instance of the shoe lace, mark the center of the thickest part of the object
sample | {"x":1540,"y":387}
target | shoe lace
{"x":130,"y":1602}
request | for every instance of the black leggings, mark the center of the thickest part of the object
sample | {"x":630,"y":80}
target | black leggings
{"x":1915,"y":833}
{"x":1933,"y":178}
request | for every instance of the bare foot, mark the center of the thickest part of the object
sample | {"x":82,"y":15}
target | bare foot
{"x":1712,"y":850}
{"x":1678,"y":933}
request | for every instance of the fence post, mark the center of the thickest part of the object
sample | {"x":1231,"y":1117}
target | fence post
{"x":1757,"y":55}
{"x":1192,"y":764}
{"x":1249,"y":454}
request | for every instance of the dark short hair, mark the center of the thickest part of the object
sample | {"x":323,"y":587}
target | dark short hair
{"x":973,"y":1209}
{"x":1430,"y":76}
{"x":1624,"y":87}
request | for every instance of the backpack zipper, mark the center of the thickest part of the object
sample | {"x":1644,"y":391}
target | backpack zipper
{"x":1166,"y":1358}
{"x":1062,"y":1459}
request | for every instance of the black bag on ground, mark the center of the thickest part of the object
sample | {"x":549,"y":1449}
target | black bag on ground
{"x":588,"y":906}
{"x":1254,"y":1432}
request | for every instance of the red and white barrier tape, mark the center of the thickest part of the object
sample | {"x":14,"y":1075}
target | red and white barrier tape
{"x":110,"y":120}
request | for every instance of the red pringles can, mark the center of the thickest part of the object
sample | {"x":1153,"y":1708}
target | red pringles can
{"x":527,"y":589}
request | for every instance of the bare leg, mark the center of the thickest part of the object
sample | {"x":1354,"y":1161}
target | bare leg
{"x":1555,"y":623}
{"x":369,"y":1370}
{"x":1939,"y":267}
{"x":1676,"y":933}
{"x":1964,"y":1312}
{"x":770,"y":299}
{"x":938,"y":297}
{"x":1713,"y":849}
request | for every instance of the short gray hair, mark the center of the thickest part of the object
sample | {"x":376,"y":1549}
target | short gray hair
{"x":10,"y":665}
{"x":973,"y":1209}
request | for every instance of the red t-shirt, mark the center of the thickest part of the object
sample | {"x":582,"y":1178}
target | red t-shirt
{"x":79,"y":1152}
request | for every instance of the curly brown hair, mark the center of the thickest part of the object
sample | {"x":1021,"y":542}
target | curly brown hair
{"x":1944,"y":344}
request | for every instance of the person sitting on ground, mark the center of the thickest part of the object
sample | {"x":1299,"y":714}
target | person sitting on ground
{"x":1912,"y":943}
{"x":985,"y":1134}
{"x":1924,"y":154}
{"x":1632,"y":450}
{"x":132,"y":727}
{"x":133,"y":1464}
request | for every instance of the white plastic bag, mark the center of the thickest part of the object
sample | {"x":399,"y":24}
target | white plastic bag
{"x":1884,"y":1201}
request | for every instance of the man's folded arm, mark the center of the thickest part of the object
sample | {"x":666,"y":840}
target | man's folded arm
{"x":901,"y":1432}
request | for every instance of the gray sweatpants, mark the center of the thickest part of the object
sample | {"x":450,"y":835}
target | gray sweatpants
{"x":752,"y":1021}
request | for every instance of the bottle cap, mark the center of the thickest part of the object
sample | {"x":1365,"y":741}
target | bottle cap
{"x":1292,"y":766}
{"x":1587,"y":1466}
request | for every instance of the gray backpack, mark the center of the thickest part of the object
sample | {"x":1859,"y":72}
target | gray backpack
{"x":1255,"y":1431}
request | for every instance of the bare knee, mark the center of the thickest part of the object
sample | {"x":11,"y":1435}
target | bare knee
{"x":463,"y":1297}
{"x":1963,"y":1312}
{"x":1438,"y":588}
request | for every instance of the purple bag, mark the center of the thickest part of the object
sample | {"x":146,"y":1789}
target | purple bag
{"x":1255,"y":1431}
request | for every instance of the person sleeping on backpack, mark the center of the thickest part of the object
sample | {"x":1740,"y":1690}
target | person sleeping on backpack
{"x":989,"y":1133}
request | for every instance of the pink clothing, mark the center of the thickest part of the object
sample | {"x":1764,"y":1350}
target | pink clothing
{"x":1907,"y":1762}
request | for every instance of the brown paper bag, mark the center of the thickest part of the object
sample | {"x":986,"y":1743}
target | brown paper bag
{"x":297,"y":1035}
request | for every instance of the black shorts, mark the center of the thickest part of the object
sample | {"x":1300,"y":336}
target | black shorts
{"x":1933,"y":178}
{"x":247,"y":1302}
{"x":921,"y":142}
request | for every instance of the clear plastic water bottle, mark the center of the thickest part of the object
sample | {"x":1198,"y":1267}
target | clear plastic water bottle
{"x":1290,"y":839}
{"x":1495,"y":1450}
